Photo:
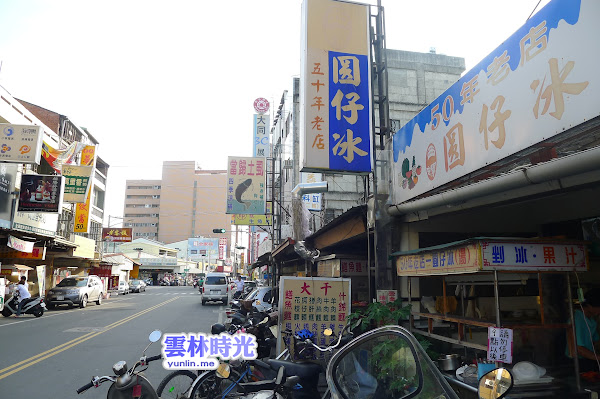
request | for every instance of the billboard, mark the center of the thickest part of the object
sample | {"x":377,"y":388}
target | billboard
{"x":312,"y":201}
{"x":255,"y":220}
{"x":20,"y":143}
{"x":203,"y":248}
{"x":42,"y":223}
{"x":335,"y":101}
{"x":40,"y":193}
{"x":111,"y":234}
{"x":77,"y":182}
{"x":534,"y":86}
{"x":246,"y":185}
{"x":261,"y":146}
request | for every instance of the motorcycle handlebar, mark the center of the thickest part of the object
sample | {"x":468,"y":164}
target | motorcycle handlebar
{"x":85,"y":387}
{"x":153,"y":358}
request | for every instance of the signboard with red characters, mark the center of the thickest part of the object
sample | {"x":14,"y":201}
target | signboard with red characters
{"x":117,"y":235}
{"x":261,"y":105}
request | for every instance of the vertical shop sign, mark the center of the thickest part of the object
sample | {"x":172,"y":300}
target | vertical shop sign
{"x":314,"y":304}
{"x":8,"y":175}
{"x":82,"y":210}
{"x":222,"y":247}
{"x":41,"y":277}
{"x":246,"y":185}
{"x":261,"y":136}
{"x":336,"y":100}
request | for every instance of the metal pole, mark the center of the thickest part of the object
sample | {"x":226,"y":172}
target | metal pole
{"x":572,"y":316}
{"x":410,"y":315}
{"x":497,"y":299}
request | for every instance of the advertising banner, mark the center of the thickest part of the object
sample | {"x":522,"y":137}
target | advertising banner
{"x":314,"y":304}
{"x":534,"y":86}
{"x":261,"y":147}
{"x":20,"y":245}
{"x":246,"y":186}
{"x":255,"y":220}
{"x":20,"y":143}
{"x":8,"y":176}
{"x":42,"y":223}
{"x":102,"y":271}
{"x":77,"y":182}
{"x":202,"y":248}
{"x":312,"y":201}
{"x":41,"y":277}
{"x":86,"y":247}
{"x":57,"y":158}
{"x":36,"y":253}
{"x":335,"y":101}
{"x":40,"y":193}
{"x":222,"y":248}
{"x":112,"y":234}
{"x":82,"y":210}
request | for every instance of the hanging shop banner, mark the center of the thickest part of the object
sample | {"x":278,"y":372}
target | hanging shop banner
{"x":102,"y":270}
{"x":8,"y":177}
{"x":20,"y":143}
{"x":77,"y":182}
{"x":57,"y":158}
{"x":314,"y":304}
{"x":42,"y":223}
{"x":534,"y":256}
{"x":255,"y":220}
{"x":336,"y":98}
{"x":112,"y":234}
{"x":113,"y":283}
{"x":82,"y":215}
{"x":451,"y":260}
{"x":535,"y":85}
{"x":82,"y":210}
{"x":20,"y":245}
{"x":246,"y":186}
{"x":41,"y":278}
{"x":202,"y":248}
{"x":222,"y":247}
{"x":261,"y":147}
{"x":386,"y":296}
{"x":36,"y":253}
{"x":41,"y":193}
{"x":86,"y":247}
{"x":312,"y":201}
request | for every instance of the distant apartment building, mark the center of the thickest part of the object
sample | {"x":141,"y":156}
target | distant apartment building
{"x":187,"y":202}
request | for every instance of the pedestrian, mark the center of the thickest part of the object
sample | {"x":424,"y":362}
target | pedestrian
{"x":240,"y":287}
{"x":23,"y":294}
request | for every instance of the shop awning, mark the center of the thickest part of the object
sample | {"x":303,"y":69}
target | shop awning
{"x":261,"y":261}
{"x":22,"y":267}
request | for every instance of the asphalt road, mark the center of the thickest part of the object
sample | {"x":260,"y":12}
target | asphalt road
{"x":52,"y":356}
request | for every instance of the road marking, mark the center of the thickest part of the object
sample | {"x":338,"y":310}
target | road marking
{"x":5,"y":372}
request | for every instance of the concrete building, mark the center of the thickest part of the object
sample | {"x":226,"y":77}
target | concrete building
{"x":186,"y":202}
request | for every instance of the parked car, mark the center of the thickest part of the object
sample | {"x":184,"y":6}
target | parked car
{"x":216,"y":287}
{"x":76,"y":291}
{"x":137,"y":286}
{"x":123,"y":288}
{"x":261,"y":298}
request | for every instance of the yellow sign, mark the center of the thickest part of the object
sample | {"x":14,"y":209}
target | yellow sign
{"x":452,"y":260}
{"x":85,"y":249}
{"x":82,"y":211}
{"x":255,"y":220}
{"x":314,"y":304}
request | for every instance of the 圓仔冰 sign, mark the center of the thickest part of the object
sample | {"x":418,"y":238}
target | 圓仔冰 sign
{"x":529,"y":89}
{"x":500,"y":344}
{"x":246,"y":185}
{"x":314,"y":304}
{"x":336,"y":98}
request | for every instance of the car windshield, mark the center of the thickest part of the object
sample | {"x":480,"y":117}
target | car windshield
{"x":215,"y":280}
{"x":251,"y":295}
{"x":135,"y":282}
{"x":72,"y":282}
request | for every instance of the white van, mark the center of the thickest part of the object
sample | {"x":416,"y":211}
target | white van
{"x":216,"y":287}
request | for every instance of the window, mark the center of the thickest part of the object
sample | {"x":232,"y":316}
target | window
{"x":156,"y":196}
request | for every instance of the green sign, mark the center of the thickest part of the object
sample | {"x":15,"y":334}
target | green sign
{"x":186,"y":270}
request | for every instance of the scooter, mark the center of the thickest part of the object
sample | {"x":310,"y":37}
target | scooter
{"x":129,"y":383}
{"x":35,"y":306}
{"x":388,"y":362}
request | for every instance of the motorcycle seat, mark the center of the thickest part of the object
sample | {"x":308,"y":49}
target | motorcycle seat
{"x":27,"y":300}
{"x":302,"y":370}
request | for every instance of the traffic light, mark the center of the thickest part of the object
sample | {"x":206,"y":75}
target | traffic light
{"x":218,"y":230}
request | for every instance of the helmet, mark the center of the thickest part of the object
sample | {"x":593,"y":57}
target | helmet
{"x":217,"y":328}
{"x":305,"y":334}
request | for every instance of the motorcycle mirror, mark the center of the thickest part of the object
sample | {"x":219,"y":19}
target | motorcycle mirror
{"x":495,"y":384}
{"x":155,"y":335}
{"x":327,"y":332}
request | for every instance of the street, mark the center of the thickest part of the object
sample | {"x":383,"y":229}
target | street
{"x":52,"y":356}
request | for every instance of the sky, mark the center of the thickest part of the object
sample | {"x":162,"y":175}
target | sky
{"x":158,"y":81}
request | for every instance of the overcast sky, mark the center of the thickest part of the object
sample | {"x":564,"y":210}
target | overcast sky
{"x":176,"y":80}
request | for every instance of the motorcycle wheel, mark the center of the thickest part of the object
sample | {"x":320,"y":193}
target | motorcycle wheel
{"x":38,"y":312}
{"x":6,"y":312}
{"x":176,"y":384}
{"x":210,"y":386}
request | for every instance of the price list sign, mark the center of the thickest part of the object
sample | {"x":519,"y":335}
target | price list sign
{"x":500,"y":344}
{"x":314,"y":304}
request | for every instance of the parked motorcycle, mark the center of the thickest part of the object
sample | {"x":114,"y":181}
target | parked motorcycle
{"x":35,"y":306}
{"x":129,"y":383}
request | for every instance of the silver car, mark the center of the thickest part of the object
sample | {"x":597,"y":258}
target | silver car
{"x":76,"y":291}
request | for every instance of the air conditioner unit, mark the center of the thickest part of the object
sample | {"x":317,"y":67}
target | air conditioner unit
{"x":288,"y":164}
